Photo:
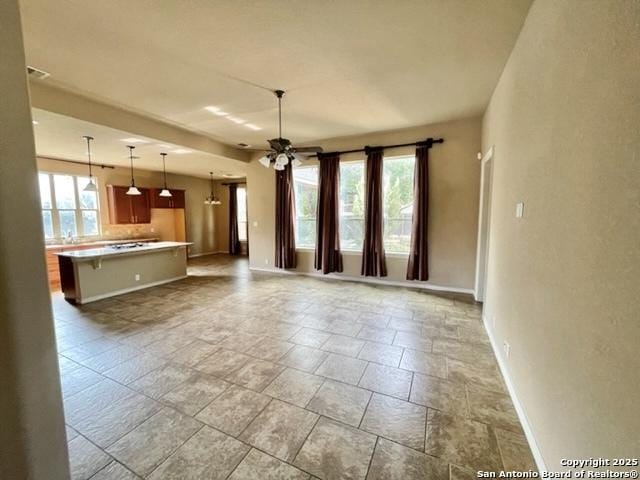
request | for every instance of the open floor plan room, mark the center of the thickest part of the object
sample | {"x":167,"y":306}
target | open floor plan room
{"x":329,"y":240}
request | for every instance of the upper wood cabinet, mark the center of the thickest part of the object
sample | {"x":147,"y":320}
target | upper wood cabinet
{"x":128,"y":209}
{"x":175,"y":201}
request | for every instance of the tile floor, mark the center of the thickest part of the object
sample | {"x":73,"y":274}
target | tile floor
{"x":239,"y":375}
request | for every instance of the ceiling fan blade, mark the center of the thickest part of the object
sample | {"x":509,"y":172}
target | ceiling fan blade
{"x":307,"y":150}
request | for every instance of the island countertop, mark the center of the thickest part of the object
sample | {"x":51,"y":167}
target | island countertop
{"x":94,"y":253}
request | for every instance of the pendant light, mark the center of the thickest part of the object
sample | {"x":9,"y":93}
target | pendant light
{"x":212,"y":199}
{"x":165,"y":191}
{"x":133,"y":190}
{"x":91,"y":186}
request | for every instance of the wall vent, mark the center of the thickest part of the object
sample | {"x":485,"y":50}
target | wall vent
{"x":37,"y":73}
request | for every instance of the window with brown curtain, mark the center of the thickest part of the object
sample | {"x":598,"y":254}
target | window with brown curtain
{"x":373,"y":257}
{"x":328,"y":257}
{"x":418,"y":264}
{"x":285,"y":219}
{"x":234,"y":238}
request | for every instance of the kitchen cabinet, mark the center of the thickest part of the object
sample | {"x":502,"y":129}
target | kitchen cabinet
{"x":175,"y":201}
{"x":127,"y":209}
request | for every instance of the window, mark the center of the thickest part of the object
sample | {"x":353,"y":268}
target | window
{"x":241,"y":198}
{"x":305,"y":181}
{"x":351,"y":205}
{"x":398,"y":203}
{"x":66,"y":207}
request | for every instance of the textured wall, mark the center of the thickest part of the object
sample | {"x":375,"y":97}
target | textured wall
{"x":563,"y":281}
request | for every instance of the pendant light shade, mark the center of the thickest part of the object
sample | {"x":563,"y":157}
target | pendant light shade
{"x":212,"y":199}
{"x":91,"y":186}
{"x":133,"y":190}
{"x":165,"y":191}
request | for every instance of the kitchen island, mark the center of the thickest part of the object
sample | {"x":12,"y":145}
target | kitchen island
{"x":97,"y":273}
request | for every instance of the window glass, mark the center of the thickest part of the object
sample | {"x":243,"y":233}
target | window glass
{"x":68,"y":222}
{"x":65,"y":193}
{"x":241,"y":198}
{"x":67,"y":208}
{"x":305,"y":180}
{"x":90,"y":222}
{"x":45,"y":190}
{"x":398,"y":203}
{"x":47,"y":223}
{"x":351,"y":205}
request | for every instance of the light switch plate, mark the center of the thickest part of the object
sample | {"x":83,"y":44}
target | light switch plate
{"x":255,"y":224}
{"x":519,"y":210}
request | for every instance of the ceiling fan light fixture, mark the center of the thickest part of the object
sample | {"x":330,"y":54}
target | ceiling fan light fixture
{"x":282,"y":159}
{"x":265,"y":161}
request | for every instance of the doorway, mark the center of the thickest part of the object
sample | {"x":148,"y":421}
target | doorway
{"x":484,"y":222}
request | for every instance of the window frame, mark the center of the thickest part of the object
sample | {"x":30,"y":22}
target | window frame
{"x":78,"y":210}
{"x":343,"y":249}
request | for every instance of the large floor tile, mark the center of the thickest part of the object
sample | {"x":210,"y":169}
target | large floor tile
{"x":515,"y":452}
{"x":195,"y":393}
{"x":280,"y":429}
{"x":270,"y":349}
{"x":294,"y":386}
{"x":347,"y":346}
{"x":304,"y":358}
{"x":440,"y":394}
{"x":153,"y":441}
{"x":493,"y":408}
{"x":487,"y":377}
{"x":255,"y":374}
{"x":336,"y":451}
{"x":392,"y":461}
{"x":388,"y":380}
{"x":85,"y":458}
{"x":396,"y":420}
{"x":115,"y":471}
{"x":222,"y":363}
{"x":380,"y":353}
{"x":426,"y":363}
{"x":208,"y":454}
{"x":233,"y":410}
{"x":340,"y":401}
{"x":162,"y":380}
{"x":462,"y":441}
{"x":310,"y":337}
{"x":341,"y":368}
{"x":260,"y":466}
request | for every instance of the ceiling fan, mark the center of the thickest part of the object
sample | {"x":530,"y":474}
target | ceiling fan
{"x":282,"y":152}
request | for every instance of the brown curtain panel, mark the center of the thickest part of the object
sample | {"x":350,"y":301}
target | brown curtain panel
{"x":328,"y":257}
{"x":373,"y":259}
{"x":285,"y":219}
{"x":234,"y":238}
{"x":418,"y":265}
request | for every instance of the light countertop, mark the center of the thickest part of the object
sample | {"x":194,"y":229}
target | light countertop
{"x":98,"y":243}
{"x":94,"y":253}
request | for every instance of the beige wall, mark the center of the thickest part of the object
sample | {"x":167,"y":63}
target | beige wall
{"x":199,"y":218}
{"x":453,"y":216}
{"x":32,"y":436}
{"x":563,"y":281}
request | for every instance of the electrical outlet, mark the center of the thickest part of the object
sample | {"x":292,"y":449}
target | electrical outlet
{"x":137,"y":277}
{"x":255,"y":224}
{"x":519,"y":210}
{"x":507,"y":349}
{"x":266,"y":261}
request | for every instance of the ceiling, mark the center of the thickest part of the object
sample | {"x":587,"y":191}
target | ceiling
{"x":348,"y":67}
{"x":59,"y":136}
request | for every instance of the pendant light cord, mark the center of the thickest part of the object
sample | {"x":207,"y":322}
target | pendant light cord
{"x":164,"y":170}
{"x":133,"y":183}
{"x":88,"y":138}
{"x":279,"y":117}
{"x":211,"y":179}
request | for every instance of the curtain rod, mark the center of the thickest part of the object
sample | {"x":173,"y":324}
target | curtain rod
{"x":101,"y":165}
{"x":428,"y":142}
{"x":234,"y":183}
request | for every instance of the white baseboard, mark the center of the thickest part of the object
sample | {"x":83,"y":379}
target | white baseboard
{"x":129,"y":290}
{"x":522,"y":416}
{"x":377,"y":281}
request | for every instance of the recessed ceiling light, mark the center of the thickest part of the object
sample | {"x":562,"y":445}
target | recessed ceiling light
{"x":244,"y":145}
{"x":181,"y":151}
{"x":35,"y":122}
{"x":134,"y":140}
{"x":232,"y":175}
{"x":236,"y":120}
{"x":252,"y":126}
{"x":212,"y":109}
